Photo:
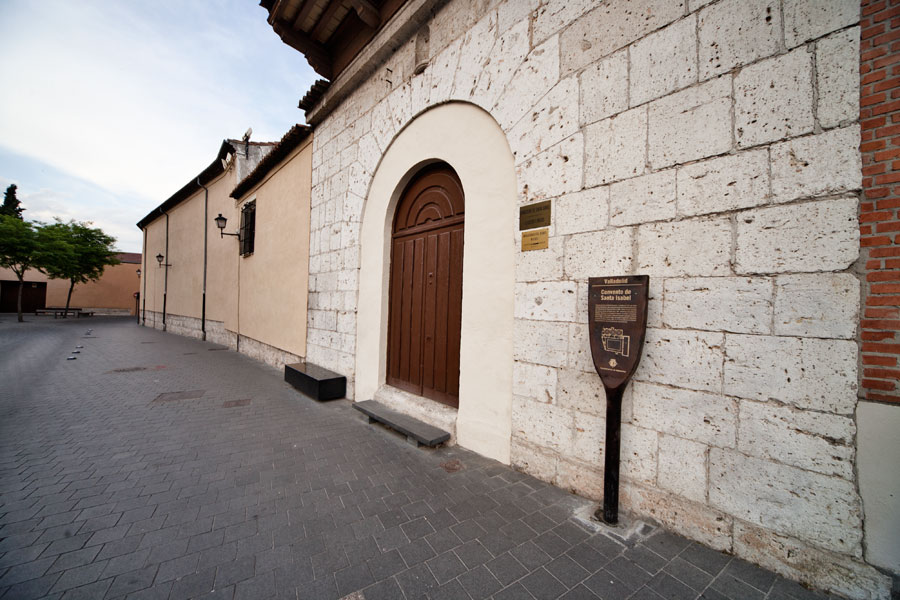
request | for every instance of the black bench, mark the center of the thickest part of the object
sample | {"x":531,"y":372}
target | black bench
{"x":414,"y":429}
{"x":315,"y":381}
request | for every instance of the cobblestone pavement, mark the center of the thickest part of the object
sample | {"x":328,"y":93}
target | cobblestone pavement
{"x":155,"y":466}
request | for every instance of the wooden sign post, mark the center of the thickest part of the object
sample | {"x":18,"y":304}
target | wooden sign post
{"x":617,"y":318}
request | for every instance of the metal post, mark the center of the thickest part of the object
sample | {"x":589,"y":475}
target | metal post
{"x":611,"y":457}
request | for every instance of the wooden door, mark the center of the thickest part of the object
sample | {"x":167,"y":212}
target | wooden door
{"x":426,"y":286}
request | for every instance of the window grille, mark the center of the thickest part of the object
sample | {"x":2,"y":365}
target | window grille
{"x":248,"y":228}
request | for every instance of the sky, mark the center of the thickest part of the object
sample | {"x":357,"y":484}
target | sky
{"x":108,"y":107}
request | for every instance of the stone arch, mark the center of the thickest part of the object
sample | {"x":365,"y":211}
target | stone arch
{"x":473,"y":144}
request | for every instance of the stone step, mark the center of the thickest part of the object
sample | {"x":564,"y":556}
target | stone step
{"x":316,"y":382}
{"x":414,"y":429}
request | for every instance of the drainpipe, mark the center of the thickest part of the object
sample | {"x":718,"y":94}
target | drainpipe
{"x":166,"y":278}
{"x":205,"y":245}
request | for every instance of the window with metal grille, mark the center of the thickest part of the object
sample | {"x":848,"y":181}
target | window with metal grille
{"x":248,"y":228}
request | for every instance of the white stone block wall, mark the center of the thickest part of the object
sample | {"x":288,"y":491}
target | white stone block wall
{"x":711,"y":145}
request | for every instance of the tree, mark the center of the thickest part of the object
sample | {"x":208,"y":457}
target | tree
{"x":91,"y":251}
{"x":11,"y":203}
{"x":22,"y":246}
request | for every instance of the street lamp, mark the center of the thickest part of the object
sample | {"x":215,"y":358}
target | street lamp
{"x":221,"y":222}
{"x":160,"y":258}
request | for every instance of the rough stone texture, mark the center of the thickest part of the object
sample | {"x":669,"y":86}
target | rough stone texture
{"x":822,"y":305}
{"x":837,"y":70}
{"x":581,"y":391}
{"x":643,"y":199}
{"x":737,"y":32}
{"x":689,"y":359}
{"x":637,"y":453}
{"x":774,"y":99}
{"x":682,"y":467}
{"x":543,"y":424}
{"x":546,"y":301}
{"x":736,"y":304}
{"x":587,"y":210}
{"x":537,"y":382}
{"x":670,"y":249}
{"x":822,"y":510}
{"x":817,"y":165}
{"x":808,"y":19}
{"x":541,"y":265}
{"x":552,"y":119}
{"x":554,"y":172}
{"x":534,"y":78}
{"x":804,"y":372}
{"x":615,"y":147}
{"x":723,"y":184}
{"x":814,"y":236}
{"x":691,"y":124}
{"x":810,"y":440}
{"x":664,"y":61}
{"x":604,"y":88}
{"x":541,"y":342}
{"x":810,"y":565}
{"x":699,"y":416}
{"x":602,"y":252}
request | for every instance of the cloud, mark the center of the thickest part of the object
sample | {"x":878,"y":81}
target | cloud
{"x":136,"y":97}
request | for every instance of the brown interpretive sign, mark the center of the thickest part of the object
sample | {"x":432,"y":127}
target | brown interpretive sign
{"x":534,"y":215}
{"x":617,"y":322}
{"x":535,"y":240}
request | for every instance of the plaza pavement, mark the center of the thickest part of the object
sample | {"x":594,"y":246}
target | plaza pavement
{"x":157,"y":466}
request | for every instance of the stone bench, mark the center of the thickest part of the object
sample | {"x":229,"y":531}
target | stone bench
{"x":415,"y":430}
{"x":316,"y":382}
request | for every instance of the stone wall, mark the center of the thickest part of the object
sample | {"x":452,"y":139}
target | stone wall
{"x":710,"y":145}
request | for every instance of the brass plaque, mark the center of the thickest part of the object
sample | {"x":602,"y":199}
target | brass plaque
{"x":534,"y":215}
{"x":535,"y":240}
{"x":617,"y":315}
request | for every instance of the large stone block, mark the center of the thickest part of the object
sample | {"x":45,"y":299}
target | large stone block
{"x":664,"y":61}
{"x":588,"y":440}
{"x":805,"y":20}
{"x":549,"y":122}
{"x":814,"y":236}
{"x":541,"y":342}
{"x":507,"y":55}
{"x":710,"y":419}
{"x":553,"y":16}
{"x":533,"y":460}
{"x":580,"y":357}
{"x":515,"y":12}
{"x":688,"y":359}
{"x":682,"y":467}
{"x":546,"y":301}
{"x":581,"y":391}
{"x":813,"y":507}
{"x":611,"y":26}
{"x":816,"y":165}
{"x":544,"y":425}
{"x":541,"y":265}
{"x":643,"y":199}
{"x":587,"y":210}
{"x":837,"y":75}
{"x":474,"y":54}
{"x":814,"y":441}
{"x":723,"y":184}
{"x":737,"y":304}
{"x":534,"y":78}
{"x":638,"y":454}
{"x":443,"y":70}
{"x":604,"y":88}
{"x":695,"y":521}
{"x":737,"y":32}
{"x":537,"y":382}
{"x":690,"y":124}
{"x":804,"y":372}
{"x":685,"y":248}
{"x":616,"y":147}
{"x":773,"y":99}
{"x":817,"y":305}
{"x":601,"y":253}
{"x":817,"y":568}
{"x":554,"y":172}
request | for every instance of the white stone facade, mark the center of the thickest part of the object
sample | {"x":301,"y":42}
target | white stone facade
{"x":709,"y":145}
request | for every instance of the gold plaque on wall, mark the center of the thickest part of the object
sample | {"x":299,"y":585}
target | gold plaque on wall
{"x":535,"y":240}
{"x":534,"y":215}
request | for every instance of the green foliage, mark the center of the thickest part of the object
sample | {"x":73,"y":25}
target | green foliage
{"x":11,"y":206}
{"x":91,"y":251}
{"x":18,"y":245}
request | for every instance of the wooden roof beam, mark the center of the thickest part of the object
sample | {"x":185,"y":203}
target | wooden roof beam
{"x":318,"y":57}
{"x":367,"y":12}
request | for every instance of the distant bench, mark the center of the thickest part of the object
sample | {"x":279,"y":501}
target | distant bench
{"x":62,"y":312}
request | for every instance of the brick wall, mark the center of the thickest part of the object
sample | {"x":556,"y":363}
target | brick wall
{"x":879,"y":216}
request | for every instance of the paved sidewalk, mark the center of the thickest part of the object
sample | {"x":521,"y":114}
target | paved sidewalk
{"x":155,"y":466}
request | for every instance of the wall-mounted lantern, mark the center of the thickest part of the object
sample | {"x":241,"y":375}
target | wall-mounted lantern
{"x":160,"y":258}
{"x":221,"y":222}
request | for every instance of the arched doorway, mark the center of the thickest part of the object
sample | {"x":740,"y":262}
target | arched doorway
{"x":425,"y":309}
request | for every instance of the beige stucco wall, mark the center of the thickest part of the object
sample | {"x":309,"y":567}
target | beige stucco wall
{"x":879,"y":481}
{"x":273,"y":281}
{"x":115,"y":289}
